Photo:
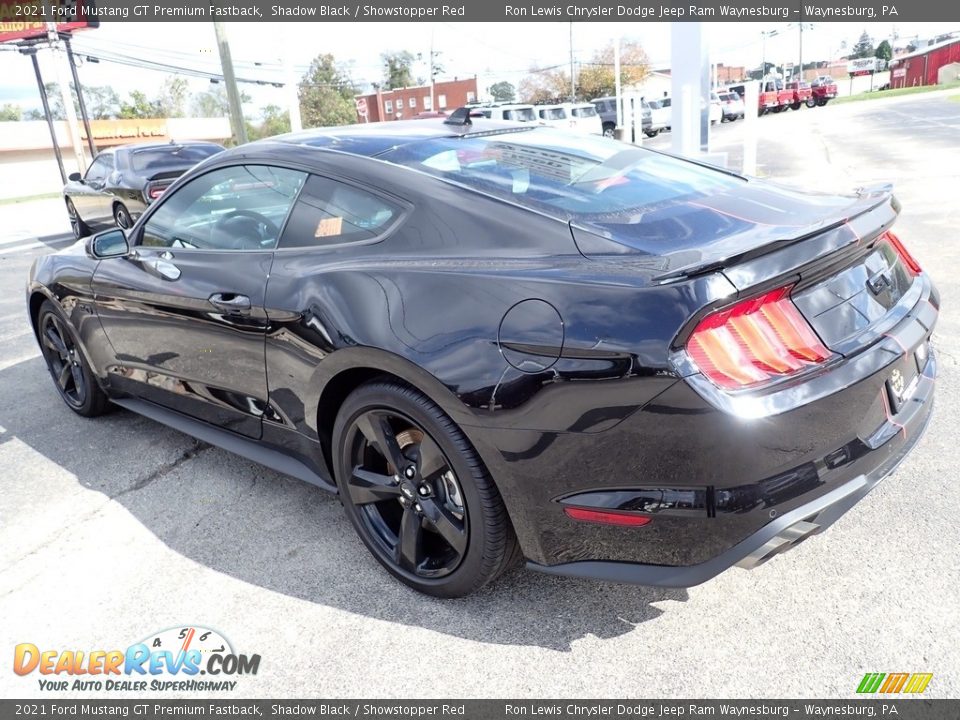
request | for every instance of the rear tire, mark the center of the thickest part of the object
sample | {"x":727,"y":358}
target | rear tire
{"x":425,"y":506}
{"x":795,"y":106}
{"x":651,"y":133}
{"x":121,"y":217}
{"x":811,"y":103}
{"x":72,"y":376}
{"x":609,"y":130}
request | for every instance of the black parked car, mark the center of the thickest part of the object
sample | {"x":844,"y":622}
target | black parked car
{"x":503,"y":341}
{"x":122,"y":181}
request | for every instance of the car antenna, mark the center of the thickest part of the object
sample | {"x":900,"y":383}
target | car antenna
{"x":460,"y":116}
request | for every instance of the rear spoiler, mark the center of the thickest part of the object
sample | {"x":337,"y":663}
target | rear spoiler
{"x":870,"y":198}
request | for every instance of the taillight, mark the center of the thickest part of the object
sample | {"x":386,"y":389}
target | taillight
{"x":907,"y":258}
{"x":607,"y":517}
{"x":156,"y":191}
{"x":754,"y":342}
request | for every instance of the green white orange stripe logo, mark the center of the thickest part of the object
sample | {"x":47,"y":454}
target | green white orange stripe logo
{"x":890,"y":683}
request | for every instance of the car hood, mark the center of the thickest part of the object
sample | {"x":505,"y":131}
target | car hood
{"x":696,"y":234}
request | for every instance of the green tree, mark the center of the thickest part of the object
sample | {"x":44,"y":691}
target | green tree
{"x":502,"y":91}
{"x":326,"y":94}
{"x":397,"y":69}
{"x":102,"y":102}
{"x":139,"y":106}
{"x":884,"y":51}
{"x":173,"y":97}
{"x":275,"y":122}
{"x":10,"y":112}
{"x":863,"y":47}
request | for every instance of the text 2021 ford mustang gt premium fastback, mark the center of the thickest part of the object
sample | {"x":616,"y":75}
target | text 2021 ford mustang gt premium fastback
{"x":503,"y":341}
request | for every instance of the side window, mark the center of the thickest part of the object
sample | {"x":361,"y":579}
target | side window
{"x":99,"y":168}
{"x":234,"y":208}
{"x":330,"y":212}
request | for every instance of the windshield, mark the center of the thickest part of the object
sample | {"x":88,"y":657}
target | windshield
{"x":589,"y":179}
{"x":157,"y":159}
{"x":521,"y":114}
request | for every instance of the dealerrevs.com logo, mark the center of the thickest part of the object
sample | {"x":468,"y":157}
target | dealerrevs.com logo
{"x":183,"y":659}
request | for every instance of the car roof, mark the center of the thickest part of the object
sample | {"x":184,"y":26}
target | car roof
{"x":372,"y":139}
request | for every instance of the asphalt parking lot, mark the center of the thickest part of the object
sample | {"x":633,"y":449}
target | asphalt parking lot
{"x":115,"y":528}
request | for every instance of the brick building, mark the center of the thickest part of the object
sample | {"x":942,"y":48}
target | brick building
{"x":404,"y":103}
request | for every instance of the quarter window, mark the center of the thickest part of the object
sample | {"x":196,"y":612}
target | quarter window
{"x":234,"y":208}
{"x":329,"y":212}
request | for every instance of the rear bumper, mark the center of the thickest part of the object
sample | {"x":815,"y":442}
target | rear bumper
{"x":778,"y":536}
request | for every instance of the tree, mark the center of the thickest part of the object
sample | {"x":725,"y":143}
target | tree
{"x":173,"y":97}
{"x":10,"y":112}
{"x":139,"y":106}
{"x":502,"y":91}
{"x":213,"y":103}
{"x":596,"y":78}
{"x":102,"y":102}
{"x":544,"y":85}
{"x":397,"y":69}
{"x":863,"y":48}
{"x":884,"y":51}
{"x":275,"y":122}
{"x":326,"y":94}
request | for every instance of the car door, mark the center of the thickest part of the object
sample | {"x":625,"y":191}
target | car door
{"x":89,"y":198}
{"x":184,"y":310}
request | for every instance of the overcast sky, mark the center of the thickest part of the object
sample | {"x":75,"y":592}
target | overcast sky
{"x":495,"y":51}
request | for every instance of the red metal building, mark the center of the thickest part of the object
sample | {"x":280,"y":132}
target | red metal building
{"x":404,"y":103}
{"x":921,"y":66}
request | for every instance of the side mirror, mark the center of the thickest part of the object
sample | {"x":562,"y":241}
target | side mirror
{"x":75,"y":177}
{"x":107,"y":244}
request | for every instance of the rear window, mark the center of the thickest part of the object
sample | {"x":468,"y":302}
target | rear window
{"x":584,"y":112}
{"x":173,"y":156}
{"x":596,"y":181}
{"x":521,"y":114}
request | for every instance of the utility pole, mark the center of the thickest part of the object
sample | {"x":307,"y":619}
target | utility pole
{"x":291,"y":89}
{"x":432,"y":79}
{"x":84,"y":116}
{"x":230,"y":80}
{"x":573,"y":81}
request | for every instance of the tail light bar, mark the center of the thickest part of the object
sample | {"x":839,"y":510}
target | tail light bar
{"x":902,"y":251}
{"x":155,"y":191}
{"x":755,"y":342}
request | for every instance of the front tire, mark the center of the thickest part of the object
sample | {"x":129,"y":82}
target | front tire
{"x":72,"y":376}
{"x":609,"y":130}
{"x":811,"y":103}
{"x":79,"y":227}
{"x":795,"y":106}
{"x":417,"y":494}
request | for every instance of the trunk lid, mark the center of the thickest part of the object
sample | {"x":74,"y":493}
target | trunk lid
{"x":849,"y":287}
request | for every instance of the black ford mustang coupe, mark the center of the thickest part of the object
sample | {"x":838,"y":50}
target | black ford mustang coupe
{"x":122,"y":181}
{"x":500,"y":342}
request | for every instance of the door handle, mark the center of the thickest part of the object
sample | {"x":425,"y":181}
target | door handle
{"x":231,"y":303}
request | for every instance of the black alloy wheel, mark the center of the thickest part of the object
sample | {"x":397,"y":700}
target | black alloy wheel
{"x":71,"y":375}
{"x":121,"y":216}
{"x":417,"y":494}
